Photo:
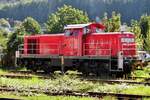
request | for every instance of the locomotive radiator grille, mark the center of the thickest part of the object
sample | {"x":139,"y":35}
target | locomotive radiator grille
{"x":97,"y":49}
{"x":43,"y":49}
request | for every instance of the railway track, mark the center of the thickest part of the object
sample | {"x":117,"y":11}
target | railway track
{"x":21,"y":76}
{"x":26,"y":72}
{"x":29,"y":74}
{"x":91,"y":80}
{"x":119,"y":81}
{"x":9,"y":99}
{"x":77,"y":93}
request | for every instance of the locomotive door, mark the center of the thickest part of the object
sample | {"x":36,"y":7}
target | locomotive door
{"x":72,"y":44}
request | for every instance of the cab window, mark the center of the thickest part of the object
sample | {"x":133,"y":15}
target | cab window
{"x":71,"y":32}
{"x":67,"y":32}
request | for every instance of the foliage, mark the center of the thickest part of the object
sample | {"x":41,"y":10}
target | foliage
{"x":65,"y":15}
{"x":31,"y":26}
{"x":147,"y":42}
{"x":141,"y":29}
{"x":138,"y":90}
{"x":142,"y":73}
{"x":38,"y":9}
{"x":3,"y":40}
{"x":4,"y":23}
{"x":145,"y":30}
{"x":14,"y":40}
{"x":135,"y":28}
{"x":4,"y":32}
{"x":112,"y":24}
{"x":41,"y":8}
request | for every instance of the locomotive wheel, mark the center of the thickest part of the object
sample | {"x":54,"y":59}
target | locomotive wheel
{"x":32,"y":66}
{"x":85,"y":69}
{"x":102,"y":70}
{"x":34,"y":69}
{"x":119,"y":75}
{"x":98,"y":71}
{"x":47,"y":68}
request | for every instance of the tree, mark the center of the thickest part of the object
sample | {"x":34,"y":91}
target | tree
{"x":112,"y":24}
{"x":130,"y":9}
{"x":4,"y":23}
{"x":65,"y":15}
{"x":31,"y":26}
{"x":3,"y":40}
{"x":147,"y":43}
{"x":14,"y":41}
{"x":135,"y":28}
{"x":145,"y":31}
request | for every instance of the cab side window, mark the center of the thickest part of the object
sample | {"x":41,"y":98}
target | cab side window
{"x":71,"y":32}
{"x":75,"y":33}
{"x":86,"y":30}
{"x":67,"y":33}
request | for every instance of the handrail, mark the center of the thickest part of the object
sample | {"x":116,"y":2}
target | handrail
{"x":38,"y":48}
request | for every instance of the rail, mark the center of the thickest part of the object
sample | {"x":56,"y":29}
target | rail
{"x":77,"y":93}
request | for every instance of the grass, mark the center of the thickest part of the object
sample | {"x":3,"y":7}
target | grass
{"x":60,"y":84}
{"x":72,"y":83}
{"x":69,"y":82}
{"x":43,"y":97}
{"x":144,"y":90}
{"x":142,"y":73}
{"x":3,"y":72}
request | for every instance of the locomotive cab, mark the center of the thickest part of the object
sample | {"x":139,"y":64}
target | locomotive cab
{"x":74,"y":35}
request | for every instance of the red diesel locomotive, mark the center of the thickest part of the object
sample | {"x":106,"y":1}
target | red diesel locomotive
{"x":84,"y":47}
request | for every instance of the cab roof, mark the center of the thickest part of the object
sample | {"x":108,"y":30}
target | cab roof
{"x":80,"y":26}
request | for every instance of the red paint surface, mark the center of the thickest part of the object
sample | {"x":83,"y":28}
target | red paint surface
{"x":79,"y":44}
